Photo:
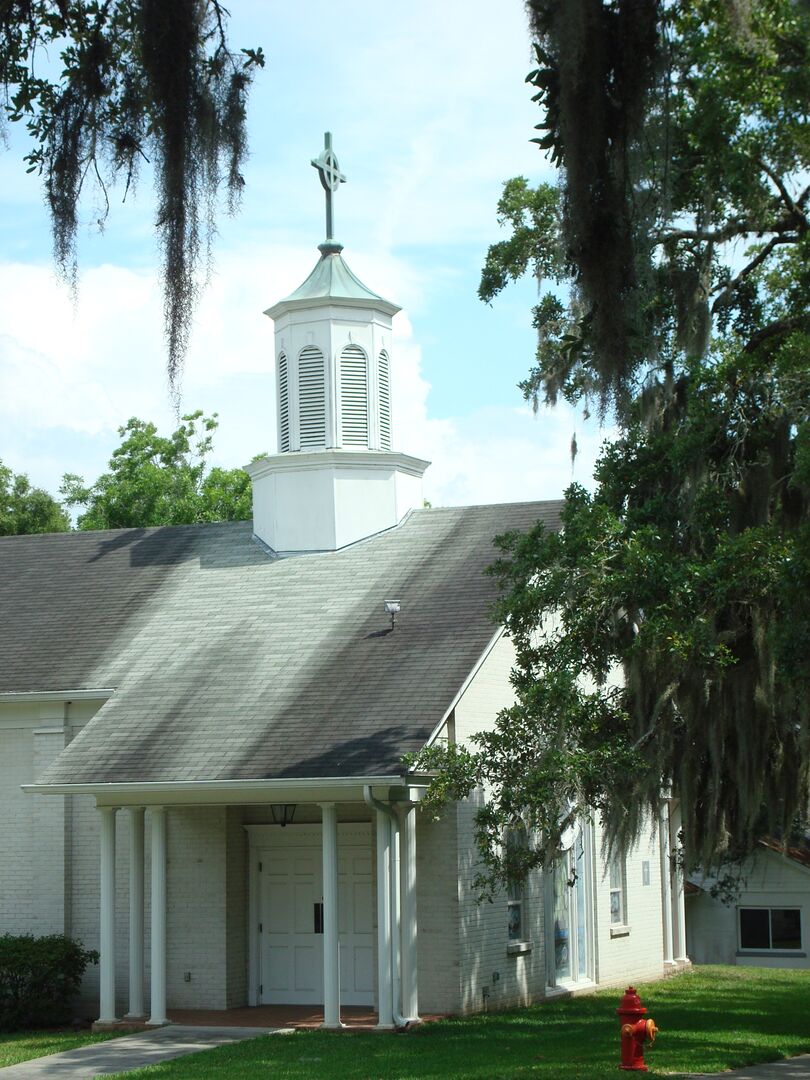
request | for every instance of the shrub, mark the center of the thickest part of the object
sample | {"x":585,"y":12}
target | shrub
{"x":39,"y":978}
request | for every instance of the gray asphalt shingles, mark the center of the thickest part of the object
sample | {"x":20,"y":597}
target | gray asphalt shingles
{"x":230,"y":664}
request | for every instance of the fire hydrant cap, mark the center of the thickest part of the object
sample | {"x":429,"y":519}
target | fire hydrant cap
{"x":630,"y":1005}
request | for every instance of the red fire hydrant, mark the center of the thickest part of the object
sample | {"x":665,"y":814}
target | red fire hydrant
{"x":635,"y":1031}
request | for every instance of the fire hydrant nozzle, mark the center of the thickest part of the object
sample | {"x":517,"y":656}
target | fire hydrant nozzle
{"x":635,"y":1031}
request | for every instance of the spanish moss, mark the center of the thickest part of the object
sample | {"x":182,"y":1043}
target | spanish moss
{"x":144,"y":84}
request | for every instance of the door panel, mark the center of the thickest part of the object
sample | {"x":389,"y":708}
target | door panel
{"x":291,"y":951}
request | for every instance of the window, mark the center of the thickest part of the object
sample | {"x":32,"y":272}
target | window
{"x":516,"y":842}
{"x":568,"y":900}
{"x":618,"y":891}
{"x":514,"y":907}
{"x":770,"y":928}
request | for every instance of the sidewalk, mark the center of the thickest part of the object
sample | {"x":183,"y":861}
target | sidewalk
{"x":130,"y":1052}
{"x":797,"y":1068}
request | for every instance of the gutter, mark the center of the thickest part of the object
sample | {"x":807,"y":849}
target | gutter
{"x":156,"y":787}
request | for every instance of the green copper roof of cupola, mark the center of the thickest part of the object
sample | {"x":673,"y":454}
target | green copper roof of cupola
{"x":331,"y":281}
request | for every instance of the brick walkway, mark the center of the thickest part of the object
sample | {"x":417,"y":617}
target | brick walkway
{"x":272,"y":1016}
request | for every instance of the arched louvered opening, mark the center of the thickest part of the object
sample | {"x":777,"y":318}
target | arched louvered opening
{"x":384,"y":384}
{"x":353,"y":396}
{"x":283,"y":405}
{"x":311,"y":398}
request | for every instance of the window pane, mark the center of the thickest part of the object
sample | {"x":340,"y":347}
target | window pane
{"x":515,"y":921}
{"x":615,"y":906}
{"x":785,"y":928}
{"x":615,"y":872}
{"x":562,"y":945}
{"x":754,"y":929}
{"x":582,"y":934}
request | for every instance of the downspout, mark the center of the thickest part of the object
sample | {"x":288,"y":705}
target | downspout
{"x":385,"y":808}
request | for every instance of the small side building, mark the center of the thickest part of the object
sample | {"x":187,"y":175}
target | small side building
{"x":767,"y":923}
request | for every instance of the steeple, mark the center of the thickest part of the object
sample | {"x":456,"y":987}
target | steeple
{"x":335,"y":478}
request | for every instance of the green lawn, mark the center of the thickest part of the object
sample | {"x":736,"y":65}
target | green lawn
{"x":710,"y":1019}
{"x":17,"y":1046}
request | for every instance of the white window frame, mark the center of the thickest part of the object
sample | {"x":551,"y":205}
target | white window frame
{"x":776,"y":950}
{"x":618,"y":862}
{"x":516,"y":900}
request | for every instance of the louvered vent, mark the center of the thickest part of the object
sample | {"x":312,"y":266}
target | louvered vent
{"x":384,"y":380}
{"x":311,"y":398}
{"x":283,"y":405}
{"x":354,"y":396}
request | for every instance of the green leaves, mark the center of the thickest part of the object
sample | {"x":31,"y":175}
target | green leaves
{"x":27,"y":509}
{"x":159,"y":480}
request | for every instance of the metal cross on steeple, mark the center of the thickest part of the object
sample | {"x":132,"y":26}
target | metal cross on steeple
{"x":331,"y":177}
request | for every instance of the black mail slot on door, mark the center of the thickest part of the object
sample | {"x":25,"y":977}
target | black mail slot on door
{"x":318,"y":917}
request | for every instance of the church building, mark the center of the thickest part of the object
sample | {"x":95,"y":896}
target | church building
{"x":202,"y":731}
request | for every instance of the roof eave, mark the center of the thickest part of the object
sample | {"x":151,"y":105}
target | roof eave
{"x":219,"y":792}
{"x":376,"y":303}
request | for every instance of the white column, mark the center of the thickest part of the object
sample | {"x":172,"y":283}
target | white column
{"x":407,"y":882}
{"x":678,"y":905}
{"x":136,"y":816}
{"x":395,"y":894}
{"x":107,"y":916}
{"x":665,"y":847}
{"x":385,"y":1017}
{"x":331,"y":942}
{"x":158,"y":913}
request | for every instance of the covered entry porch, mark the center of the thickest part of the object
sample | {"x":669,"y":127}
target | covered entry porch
{"x":314,"y":930}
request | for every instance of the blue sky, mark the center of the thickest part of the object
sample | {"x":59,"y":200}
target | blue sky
{"x":429,"y":114}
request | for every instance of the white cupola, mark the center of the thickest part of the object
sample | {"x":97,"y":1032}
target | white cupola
{"x":335,"y":478}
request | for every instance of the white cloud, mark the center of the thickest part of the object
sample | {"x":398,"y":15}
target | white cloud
{"x":493,"y":454}
{"x":70,"y":378}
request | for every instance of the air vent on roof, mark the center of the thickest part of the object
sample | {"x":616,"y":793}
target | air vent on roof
{"x":311,"y":398}
{"x":283,"y":405}
{"x":354,"y":396}
{"x":384,"y":380}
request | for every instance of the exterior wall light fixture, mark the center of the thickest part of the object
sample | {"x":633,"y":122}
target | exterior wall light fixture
{"x":283,"y":813}
{"x":392,"y":608}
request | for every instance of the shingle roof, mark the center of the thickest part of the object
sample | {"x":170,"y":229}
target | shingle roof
{"x":230,"y":664}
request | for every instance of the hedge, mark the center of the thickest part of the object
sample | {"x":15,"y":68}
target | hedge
{"x":39,"y":979}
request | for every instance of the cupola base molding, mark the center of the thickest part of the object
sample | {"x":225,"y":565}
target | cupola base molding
{"x":326,"y":499}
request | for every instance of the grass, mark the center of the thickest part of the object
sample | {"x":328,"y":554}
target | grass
{"x":711,"y":1019}
{"x":17,"y":1046}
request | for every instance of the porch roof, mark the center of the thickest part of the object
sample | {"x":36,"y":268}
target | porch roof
{"x":230,"y":664}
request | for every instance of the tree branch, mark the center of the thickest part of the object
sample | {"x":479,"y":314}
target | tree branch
{"x":794,"y":220}
{"x":729,"y":287}
{"x":781,"y":326}
{"x":779,"y":184}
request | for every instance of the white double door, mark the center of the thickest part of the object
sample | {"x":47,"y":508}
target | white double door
{"x":291,"y":916}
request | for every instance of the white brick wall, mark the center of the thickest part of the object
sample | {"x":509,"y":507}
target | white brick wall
{"x":437,"y":913}
{"x":482,"y":928}
{"x":16,"y":834}
{"x":236,"y":906}
{"x":639,"y":953}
